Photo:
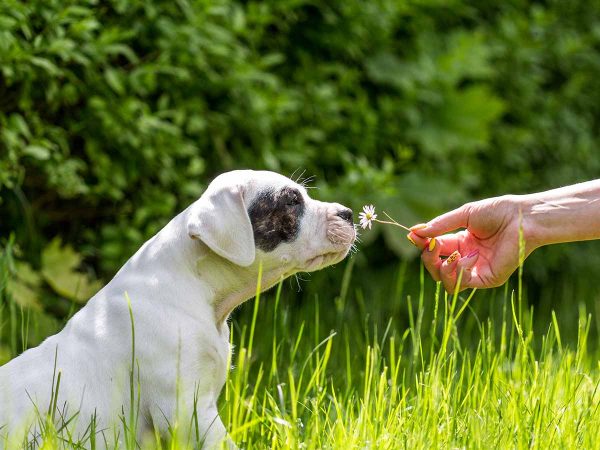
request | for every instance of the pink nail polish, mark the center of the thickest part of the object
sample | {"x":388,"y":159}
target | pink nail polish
{"x":473,"y":254}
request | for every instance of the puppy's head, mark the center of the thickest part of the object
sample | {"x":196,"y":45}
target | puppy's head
{"x":249,"y":217}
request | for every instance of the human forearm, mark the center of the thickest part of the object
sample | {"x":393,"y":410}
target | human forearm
{"x":567,"y":214}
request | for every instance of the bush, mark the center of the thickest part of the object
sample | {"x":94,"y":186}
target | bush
{"x":114,"y":115}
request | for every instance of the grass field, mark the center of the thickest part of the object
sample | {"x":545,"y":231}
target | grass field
{"x":422,"y":388}
{"x":450,"y":380}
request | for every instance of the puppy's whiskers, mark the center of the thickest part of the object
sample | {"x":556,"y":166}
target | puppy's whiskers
{"x":340,"y":238}
{"x":303,"y":273}
{"x":299,"y":177}
{"x":305,"y":182}
{"x":357,"y":237}
{"x":291,"y":177}
{"x":297,"y":278}
{"x":308,"y":180}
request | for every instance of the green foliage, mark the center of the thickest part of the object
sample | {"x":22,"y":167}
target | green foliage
{"x":114,"y":115}
{"x":28,"y":298}
{"x":59,"y":270}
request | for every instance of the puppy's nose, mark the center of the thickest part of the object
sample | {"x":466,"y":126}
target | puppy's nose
{"x":345,"y":214}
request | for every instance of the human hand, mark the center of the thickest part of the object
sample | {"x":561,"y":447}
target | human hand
{"x":486,"y":251}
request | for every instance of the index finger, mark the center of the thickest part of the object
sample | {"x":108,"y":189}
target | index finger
{"x":447,"y":222}
{"x":447,"y":243}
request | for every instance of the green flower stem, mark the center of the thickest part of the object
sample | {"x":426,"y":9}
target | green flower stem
{"x":391,"y":222}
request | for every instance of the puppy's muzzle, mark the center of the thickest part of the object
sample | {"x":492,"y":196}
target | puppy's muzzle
{"x":340,"y":229}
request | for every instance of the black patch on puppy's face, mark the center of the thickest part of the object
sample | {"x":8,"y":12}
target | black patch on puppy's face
{"x":275,"y":217}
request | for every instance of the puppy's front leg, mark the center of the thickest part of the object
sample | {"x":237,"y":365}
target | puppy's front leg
{"x":196,"y":422}
{"x":213,"y":434}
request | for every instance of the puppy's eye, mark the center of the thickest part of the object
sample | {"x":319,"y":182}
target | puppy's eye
{"x":294,"y":200}
{"x":290,"y":198}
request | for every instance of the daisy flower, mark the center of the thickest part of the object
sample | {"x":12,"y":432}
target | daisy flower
{"x":367,"y":216}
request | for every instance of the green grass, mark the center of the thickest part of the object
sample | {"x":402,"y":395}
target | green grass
{"x":423,"y":388}
{"x":449,"y":380}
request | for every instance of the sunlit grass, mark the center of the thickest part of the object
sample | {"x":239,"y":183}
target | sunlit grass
{"x":498,"y":393}
{"x":297,"y":385}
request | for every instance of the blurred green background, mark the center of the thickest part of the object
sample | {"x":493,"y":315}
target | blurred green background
{"x":114,"y":116}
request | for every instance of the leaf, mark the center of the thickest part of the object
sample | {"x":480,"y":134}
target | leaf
{"x":25,"y":273}
{"x":18,"y":123}
{"x":37,"y":152}
{"x":59,"y":269}
{"x":45,"y":64}
{"x":62,"y":47}
{"x":385,"y":68}
{"x":23,"y":287}
{"x":7,"y":23}
{"x":121,"y":49}
{"x":468,"y":57}
{"x":114,"y":80}
{"x":23,"y":294}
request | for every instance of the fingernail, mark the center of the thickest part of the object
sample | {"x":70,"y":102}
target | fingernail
{"x":411,"y":240}
{"x":472,"y":254}
{"x":431,"y":245}
{"x":453,"y":257}
{"x":419,"y":226}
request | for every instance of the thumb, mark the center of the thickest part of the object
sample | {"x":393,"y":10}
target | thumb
{"x":445,"y":223}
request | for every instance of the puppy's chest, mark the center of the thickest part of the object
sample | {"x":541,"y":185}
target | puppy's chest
{"x":225,"y":351}
{"x":212,"y":361}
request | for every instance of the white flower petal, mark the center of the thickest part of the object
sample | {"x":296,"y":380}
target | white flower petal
{"x":369,"y":209}
{"x":367,"y":216}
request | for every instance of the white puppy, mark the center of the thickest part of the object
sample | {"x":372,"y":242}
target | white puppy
{"x":182,"y":285}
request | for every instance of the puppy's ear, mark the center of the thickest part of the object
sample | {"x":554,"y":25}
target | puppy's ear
{"x":220,"y":220}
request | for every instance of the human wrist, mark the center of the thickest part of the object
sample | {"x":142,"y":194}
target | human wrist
{"x":562,"y":215}
{"x":535,"y":232}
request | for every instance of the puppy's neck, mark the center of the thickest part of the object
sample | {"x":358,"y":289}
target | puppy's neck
{"x":232,"y":285}
{"x":220,"y":283}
